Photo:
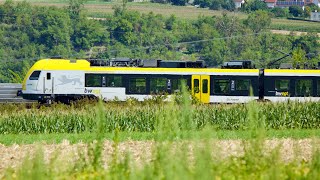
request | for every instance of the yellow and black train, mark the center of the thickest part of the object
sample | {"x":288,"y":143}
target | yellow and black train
{"x":65,"y":80}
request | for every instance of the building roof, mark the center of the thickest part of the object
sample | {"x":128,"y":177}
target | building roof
{"x":270,"y":1}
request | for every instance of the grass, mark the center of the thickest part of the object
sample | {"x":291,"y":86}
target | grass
{"x":100,"y":9}
{"x":295,"y":25}
{"x":86,"y":137}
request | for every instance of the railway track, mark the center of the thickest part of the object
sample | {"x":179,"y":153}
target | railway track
{"x":8,"y":93}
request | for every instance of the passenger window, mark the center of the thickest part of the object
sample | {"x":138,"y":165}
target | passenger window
{"x":114,"y":81}
{"x":196,"y":85}
{"x":176,"y":84}
{"x":93,"y":80}
{"x":48,"y":76}
{"x":303,"y":87}
{"x":158,"y":85}
{"x":205,"y":86}
{"x":35,"y":75}
{"x":221,"y":86}
{"x":318,"y":86}
{"x":137,"y":85}
{"x":282,"y":85}
{"x":242,"y":84}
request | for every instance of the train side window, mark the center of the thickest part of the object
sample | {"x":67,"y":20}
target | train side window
{"x":176,"y":84}
{"x":221,"y":86}
{"x":48,"y":76}
{"x":282,"y":84}
{"x":318,"y":86}
{"x":114,"y":81}
{"x":138,"y":85}
{"x":205,"y":86}
{"x":93,"y":80}
{"x":303,"y":87}
{"x":242,"y":84}
{"x":35,"y":75}
{"x":158,"y":85}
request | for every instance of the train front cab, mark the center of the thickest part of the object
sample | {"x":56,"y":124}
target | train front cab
{"x":38,"y":86}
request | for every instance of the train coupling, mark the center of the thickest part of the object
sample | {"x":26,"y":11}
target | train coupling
{"x":19,"y":93}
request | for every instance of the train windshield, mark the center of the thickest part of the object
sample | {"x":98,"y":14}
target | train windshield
{"x":35,"y":75}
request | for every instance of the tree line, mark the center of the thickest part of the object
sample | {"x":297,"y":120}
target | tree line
{"x":28,"y":33}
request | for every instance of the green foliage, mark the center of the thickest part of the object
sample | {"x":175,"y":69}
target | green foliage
{"x":296,"y":11}
{"x":254,"y":5}
{"x":258,"y":20}
{"x":313,"y":7}
{"x":179,"y":2}
{"x":222,"y":4}
{"x":280,"y":12}
{"x":75,"y":8}
{"x":202,"y":3}
{"x":299,"y":57}
{"x":34,"y":167}
{"x":216,"y":4}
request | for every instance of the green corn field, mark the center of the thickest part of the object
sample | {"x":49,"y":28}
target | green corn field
{"x":141,"y":117}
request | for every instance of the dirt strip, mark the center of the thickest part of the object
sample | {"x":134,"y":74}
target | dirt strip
{"x":141,"y":151}
{"x":295,"y":33}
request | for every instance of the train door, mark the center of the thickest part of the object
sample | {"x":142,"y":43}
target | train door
{"x":48,"y":83}
{"x":201,"y":87}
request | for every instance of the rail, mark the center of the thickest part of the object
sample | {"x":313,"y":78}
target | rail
{"x":8,"y":93}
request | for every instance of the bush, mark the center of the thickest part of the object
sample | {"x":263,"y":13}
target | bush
{"x":280,"y":12}
{"x":296,"y":11}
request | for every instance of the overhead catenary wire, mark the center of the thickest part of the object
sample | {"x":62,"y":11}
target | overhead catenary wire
{"x":192,"y":42}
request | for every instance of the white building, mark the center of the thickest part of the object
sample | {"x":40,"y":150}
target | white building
{"x":238,"y":3}
{"x":315,"y":16}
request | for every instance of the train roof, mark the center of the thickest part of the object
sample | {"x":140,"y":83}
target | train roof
{"x":82,"y":64}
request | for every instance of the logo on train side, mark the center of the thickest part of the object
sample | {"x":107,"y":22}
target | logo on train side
{"x":92,"y":91}
{"x":66,"y":80}
{"x":283,"y":94}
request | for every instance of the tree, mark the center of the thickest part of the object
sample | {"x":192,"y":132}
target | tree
{"x":309,"y":43}
{"x":299,"y":57}
{"x":254,"y":5}
{"x":161,"y":1}
{"x":280,"y":12}
{"x":307,"y":11}
{"x":215,"y":5}
{"x":75,"y":7}
{"x":228,"y":5}
{"x":313,"y":7}
{"x":179,"y":2}
{"x":170,"y":22}
{"x":296,"y":11}
{"x":258,"y":20}
{"x":202,"y":3}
